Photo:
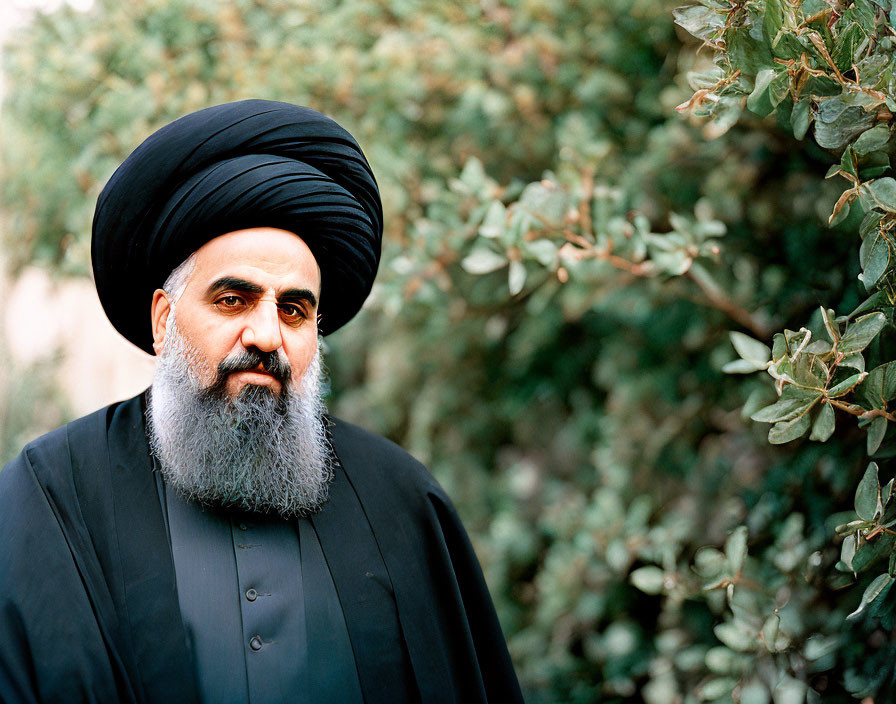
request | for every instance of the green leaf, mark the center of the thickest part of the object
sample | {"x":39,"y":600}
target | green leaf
{"x":780,"y":433}
{"x":808,"y":370}
{"x":868,"y":493}
{"x":495,"y":221}
{"x":845,"y":386}
{"x":869,"y":224}
{"x":674,"y":263}
{"x":876,"y":590}
{"x":740,"y":366}
{"x":770,"y":631}
{"x":848,"y":162}
{"x":841,"y":212}
{"x":780,"y":347}
{"x":800,"y":118}
{"x":880,"y":193}
{"x":710,"y":562}
{"x":754,"y":692}
{"x":854,"y":361}
{"x":545,"y":199}
{"x":747,"y":54}
{"x":817,"y":647}
{"x":703,"y":22}
{"x":718,"y":690}
{"x":823,"y":426}
{"x":818,"y":347}
{"x":872,"y":140}
{"x":876,"y":432}
{"x":483,"y":261}
{"x":845,"y":47}
{"x":878,"y":387}
{"x":772,"y":21}
{"x":751,"y":350}
{"x":473,"y":177}
{"x":830,"y":324}
{"x":848,"y":550}
{"x":871,"y":552}
{"x":648,"y":579}
{"x":874,"y":258}
{"x":794,"y":402}
{"x":861,"y":332}
{"x":516,"y":277}
{"x":736,"y":636}
{"x":789,"y":690}
{"x":836,"y":123}
{"x":771,"y":88}
{"x":873,"y":165}
{"x":736,"y":549}
{"x":544,"y":251}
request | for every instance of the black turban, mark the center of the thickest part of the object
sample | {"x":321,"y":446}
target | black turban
{"x":253,"y":163}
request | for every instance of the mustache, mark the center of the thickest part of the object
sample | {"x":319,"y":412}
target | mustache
{"x":247,"y":360}
{"x":274,"y":363}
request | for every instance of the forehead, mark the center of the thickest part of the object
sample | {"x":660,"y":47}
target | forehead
{"x":266,"y":256}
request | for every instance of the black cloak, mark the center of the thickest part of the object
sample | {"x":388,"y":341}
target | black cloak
{"x":88,"y":602}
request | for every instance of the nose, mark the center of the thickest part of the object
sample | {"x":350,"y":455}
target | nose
{"x":262,"y":329}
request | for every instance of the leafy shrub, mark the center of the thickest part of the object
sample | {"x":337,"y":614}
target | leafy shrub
{"x":568,"y":262}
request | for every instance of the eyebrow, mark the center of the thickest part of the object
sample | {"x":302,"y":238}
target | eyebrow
{"x":232,"y":283}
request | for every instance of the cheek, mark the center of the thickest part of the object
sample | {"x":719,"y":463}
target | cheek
{"x":216,"y":338}
{"x":301,"y":354}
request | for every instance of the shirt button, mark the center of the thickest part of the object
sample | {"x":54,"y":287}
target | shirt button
{"x":251,"y":595}
{"x":255,"y":643}
{"x":243,"y":526}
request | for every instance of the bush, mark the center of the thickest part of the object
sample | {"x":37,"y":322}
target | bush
{"x":568,"y":262}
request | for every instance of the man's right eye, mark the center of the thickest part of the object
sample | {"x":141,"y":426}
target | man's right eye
{"x":229,"y":303}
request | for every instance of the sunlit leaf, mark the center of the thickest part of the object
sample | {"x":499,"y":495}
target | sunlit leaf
{"x":736,"y":549}
{"x":848,"y":550}
{"x":516,"y":277}
{"x":750,"y":349}
{"x":789,"y":430}
{"x":793,"y":403}
{"x":736,"y":636}
{"x":648,"y":579}
{"x":483,"y":261}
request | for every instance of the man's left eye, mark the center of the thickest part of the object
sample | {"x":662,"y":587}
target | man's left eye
{"x":292,"y":312}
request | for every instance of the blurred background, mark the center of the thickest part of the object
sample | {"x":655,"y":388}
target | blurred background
{"x":568,"y":393}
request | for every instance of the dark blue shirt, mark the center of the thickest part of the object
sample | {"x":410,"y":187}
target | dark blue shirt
{"x":261,"y":612}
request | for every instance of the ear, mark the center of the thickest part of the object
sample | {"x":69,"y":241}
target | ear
{"x":161,"y":308}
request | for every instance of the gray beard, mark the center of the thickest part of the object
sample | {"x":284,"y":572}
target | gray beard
{"x":260,"y":451}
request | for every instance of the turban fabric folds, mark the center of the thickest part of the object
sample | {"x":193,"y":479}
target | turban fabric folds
{"x":253,"y":163}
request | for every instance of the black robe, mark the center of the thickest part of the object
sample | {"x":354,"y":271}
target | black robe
{"x":88,"y":602}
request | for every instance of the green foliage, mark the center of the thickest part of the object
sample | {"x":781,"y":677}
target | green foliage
{"x":568,"y":263}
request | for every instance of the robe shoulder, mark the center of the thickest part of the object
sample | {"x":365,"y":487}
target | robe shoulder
{"x":365,"y":452}
{"x":43,"y":532}
{"x":52,"y":456}
{"x":455,"y":641}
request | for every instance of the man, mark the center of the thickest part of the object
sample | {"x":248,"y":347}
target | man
{"x":219,"y":538}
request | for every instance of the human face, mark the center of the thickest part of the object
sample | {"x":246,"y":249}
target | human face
{"x":255,"y":288}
